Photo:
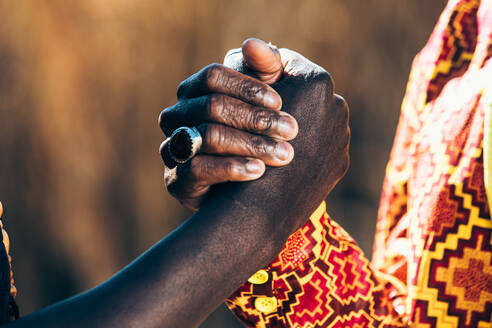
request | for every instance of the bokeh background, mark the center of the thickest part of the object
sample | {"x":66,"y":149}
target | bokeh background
{"x":81,"y":86}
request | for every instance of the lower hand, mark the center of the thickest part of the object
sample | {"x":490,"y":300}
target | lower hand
{"x":190,"y":183}
{"x":285,"y":196}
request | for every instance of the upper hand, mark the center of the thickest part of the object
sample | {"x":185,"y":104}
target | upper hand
{"x":239,"y":119}
{"x":300,"y":82}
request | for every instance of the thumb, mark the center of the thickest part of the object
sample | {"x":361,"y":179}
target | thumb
{"x":263,"y":59}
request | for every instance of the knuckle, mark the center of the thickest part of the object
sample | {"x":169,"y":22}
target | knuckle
{"x":225,"y":138}
{"x":259,"y":145}
{"x":248,"y":88}
{"x":214,"y":137}
{"x":214,"y":106}
{"x":181,"y":89}
{"x":210,"y":135}
{"x":161,"y":118}
{"x":262,"y":120}
{"x":164,"y":118}
{"x":194,"y":170}
{"x":341,"y":108}
{"x":204,"y":129}
{"x":212,"y":75}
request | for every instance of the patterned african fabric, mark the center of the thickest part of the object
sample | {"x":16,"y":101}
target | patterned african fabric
{"x":432,"y":258}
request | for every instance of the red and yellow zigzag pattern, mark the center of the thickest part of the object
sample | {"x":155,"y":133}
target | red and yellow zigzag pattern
{"x":432,"y":261}
{"x":331,"y":261}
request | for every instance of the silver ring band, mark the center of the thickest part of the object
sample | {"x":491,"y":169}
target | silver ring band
{"x":184,"y":144}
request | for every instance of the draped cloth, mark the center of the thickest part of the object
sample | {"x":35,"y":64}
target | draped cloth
{"x":432,"y":258}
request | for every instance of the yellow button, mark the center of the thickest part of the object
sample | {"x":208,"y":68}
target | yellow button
{"x":259,"y":277}
{"x":266,"y":304}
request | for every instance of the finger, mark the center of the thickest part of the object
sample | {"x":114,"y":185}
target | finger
{"x":217,"y":108}
{"x":205,"y":170}
{"x":256,"y":58}
{"x":217,"y":78}
{"x":264,"y":59}
{"x":190,"y":182}
{"x":219,"y":139}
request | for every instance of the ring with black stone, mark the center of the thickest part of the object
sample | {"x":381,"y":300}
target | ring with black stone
{"x":182,"y":146}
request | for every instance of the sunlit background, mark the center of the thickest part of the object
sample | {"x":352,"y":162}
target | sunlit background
{"x":81,"y":86}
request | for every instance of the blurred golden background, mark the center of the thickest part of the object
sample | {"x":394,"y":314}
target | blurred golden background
{"x":82,"y":84}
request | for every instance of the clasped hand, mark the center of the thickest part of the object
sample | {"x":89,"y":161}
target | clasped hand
{"x":263,"y":107}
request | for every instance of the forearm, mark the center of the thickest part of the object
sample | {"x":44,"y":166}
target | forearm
{"x":239,"y":230}
{"x":180,"y":280}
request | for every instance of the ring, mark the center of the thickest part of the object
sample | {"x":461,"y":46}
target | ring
{"x":183,"y":145}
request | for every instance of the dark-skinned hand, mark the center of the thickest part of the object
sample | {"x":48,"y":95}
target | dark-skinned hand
{"x":247,"y":127}
{"x":241,"y":124}
{"x":241,"y":226}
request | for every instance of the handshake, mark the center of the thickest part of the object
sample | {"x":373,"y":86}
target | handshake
{"x":263,"y":107}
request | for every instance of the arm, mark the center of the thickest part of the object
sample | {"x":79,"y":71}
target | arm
{"x":328,"y":255}
{"x":179,"y":281}
{"x":321,"y":277}
{"x":240,"y":227}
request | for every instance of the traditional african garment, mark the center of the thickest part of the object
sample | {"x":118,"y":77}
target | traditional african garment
{"x":432,"y":260}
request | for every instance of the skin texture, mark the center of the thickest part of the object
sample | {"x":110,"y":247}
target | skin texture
{"x":237,"y":122}
{"x":242,"y":155}
{"x":192,"y":182}
{"x":240,"y":228}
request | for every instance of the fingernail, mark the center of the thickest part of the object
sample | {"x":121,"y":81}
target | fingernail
{"x":283,"y":151}
{"x":272,"y":100}
{"x":287,"y":126}
{"x":254,"y":167}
